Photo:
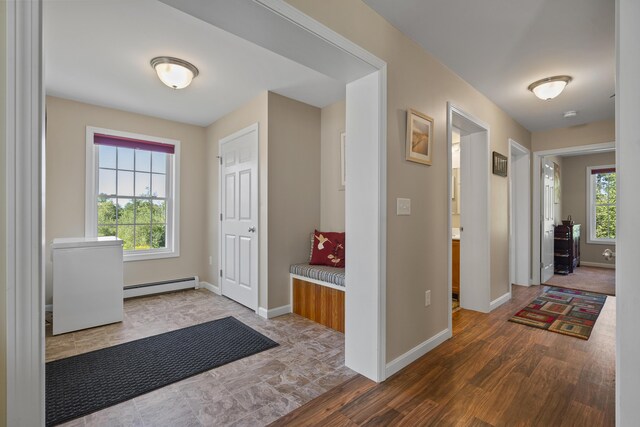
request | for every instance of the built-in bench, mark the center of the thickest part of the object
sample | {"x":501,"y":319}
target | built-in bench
{"x":318,"y":294}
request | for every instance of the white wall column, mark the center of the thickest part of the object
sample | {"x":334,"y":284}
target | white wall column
{"x":628,"y":233}
{"x":365,"y":220}
{"x":24,"y":173}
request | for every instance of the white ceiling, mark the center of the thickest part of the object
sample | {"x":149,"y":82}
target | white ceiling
{"x":98,"y":52}
{"x":501,"y":46}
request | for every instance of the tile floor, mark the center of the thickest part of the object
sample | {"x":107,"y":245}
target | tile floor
{"x":253,"y":391}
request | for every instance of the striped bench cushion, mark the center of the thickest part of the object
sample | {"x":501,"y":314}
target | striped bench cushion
{"x":319,"y":272}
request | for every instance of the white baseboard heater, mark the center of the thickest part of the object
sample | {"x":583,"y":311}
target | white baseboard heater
{"x":161,"y":287}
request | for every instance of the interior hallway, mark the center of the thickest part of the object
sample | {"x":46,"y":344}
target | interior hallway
{"x":491,"y":373}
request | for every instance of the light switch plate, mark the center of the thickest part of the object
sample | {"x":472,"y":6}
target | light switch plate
{"x":403,"y":206}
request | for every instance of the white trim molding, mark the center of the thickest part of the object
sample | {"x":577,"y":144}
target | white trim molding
{"x":519,"y":193}
{"x":211,"y":288}
{"x":596,"y":264}
{"x":274,"y":312}
{"x":321,"y":31}
{"x":24,"y":173}
{"x":499,"y":301}
{"x":417,"y":352}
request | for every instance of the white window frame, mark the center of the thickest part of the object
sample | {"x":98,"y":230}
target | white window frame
{"x":173,"y":194}
{"x":591,"y":208}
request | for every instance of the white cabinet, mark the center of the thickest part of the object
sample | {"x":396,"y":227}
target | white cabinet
{"x":87,"y":283}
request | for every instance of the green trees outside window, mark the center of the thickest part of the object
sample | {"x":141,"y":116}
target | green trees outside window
{"x":605,"y":205}
{"x":140,"y":223}
{"x":132,"y":197}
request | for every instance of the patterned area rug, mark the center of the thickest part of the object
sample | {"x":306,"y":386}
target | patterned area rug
{"x":565,"y":311}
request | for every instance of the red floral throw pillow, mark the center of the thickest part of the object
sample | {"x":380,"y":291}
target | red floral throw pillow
{"x":328,"y":249}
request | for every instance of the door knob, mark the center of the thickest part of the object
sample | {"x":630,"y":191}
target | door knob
{"x":252,"y":229}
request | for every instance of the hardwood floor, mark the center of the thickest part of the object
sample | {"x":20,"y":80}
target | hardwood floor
{"x":491,"y":373}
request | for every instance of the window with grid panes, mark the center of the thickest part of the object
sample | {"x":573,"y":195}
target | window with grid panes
{"x":134,"y":195}
{"x":602,"y":196}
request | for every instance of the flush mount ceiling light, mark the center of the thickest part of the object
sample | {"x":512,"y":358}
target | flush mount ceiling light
{"x":549,"y":87}
{"x":174,"y":72}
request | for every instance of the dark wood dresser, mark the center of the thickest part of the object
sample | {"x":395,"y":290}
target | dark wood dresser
{"x":566,"y":248}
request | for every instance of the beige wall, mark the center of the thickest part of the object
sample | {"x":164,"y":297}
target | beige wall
{"x":574,"y":200}
{"x":3,"y":219}
{"x":65,"y":178}
{"x":294,"y":189}
{"x":254,"y":111}
{"x":590,"y":133}
{"x":416,"y":252}
{"x":333,"y":121}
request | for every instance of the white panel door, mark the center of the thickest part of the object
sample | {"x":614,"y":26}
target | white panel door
{"x":239,"y":216}
{"x":548,"y":221}
{"x":475,"y":286}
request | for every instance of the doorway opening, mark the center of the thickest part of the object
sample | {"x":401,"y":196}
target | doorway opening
{"x":575,"y":201}
{"x":472,"y":205}
{"x":365,"y":197}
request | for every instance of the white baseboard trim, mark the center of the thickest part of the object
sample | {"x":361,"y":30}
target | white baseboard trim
{"x":211,"y":288}
{"x":597,"y":264}
{"x":274,"y":312}
{"x":528,"y":285}
{"x":160,"y":287}
{"x":417,"y":352}
{"x":524,"y":285}
{"x":499,"y":301}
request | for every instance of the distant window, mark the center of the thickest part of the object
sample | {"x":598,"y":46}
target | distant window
{"x":601,"y":187}
{"x":132,"y":192}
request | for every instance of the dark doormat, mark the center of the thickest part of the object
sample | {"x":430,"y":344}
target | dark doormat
{"x":82,"y":384}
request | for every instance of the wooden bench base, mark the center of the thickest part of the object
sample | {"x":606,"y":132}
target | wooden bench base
{"x":319,"y":303}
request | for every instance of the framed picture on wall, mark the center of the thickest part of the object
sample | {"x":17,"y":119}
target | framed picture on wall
{"x":343,"y":165}
{"x":419,"y":141}
{"x":499,"y":164}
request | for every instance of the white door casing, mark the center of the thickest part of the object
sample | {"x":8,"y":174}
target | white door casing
{"x":238,"y":186}
{"x":475,"y":220}
{"x":548,"y":221}
{"x":519,"y":214}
